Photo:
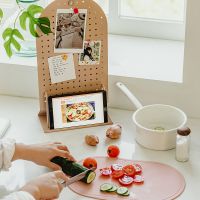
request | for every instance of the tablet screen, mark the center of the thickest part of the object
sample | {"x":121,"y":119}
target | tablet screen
{"x":77,"y":110}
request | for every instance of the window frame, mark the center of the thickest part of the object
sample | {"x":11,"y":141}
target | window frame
{"x":161,"y":29}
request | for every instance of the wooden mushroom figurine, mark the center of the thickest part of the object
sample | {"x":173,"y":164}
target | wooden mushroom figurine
{"x":91,"y":140}
{"x":114,"y":132}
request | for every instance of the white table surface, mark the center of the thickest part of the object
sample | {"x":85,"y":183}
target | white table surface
{"x":25,"y":127}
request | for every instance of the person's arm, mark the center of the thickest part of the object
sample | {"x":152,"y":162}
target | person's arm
{"x":7,"y":149}
{"x":44,"y":187}
{"x":42,"y":154}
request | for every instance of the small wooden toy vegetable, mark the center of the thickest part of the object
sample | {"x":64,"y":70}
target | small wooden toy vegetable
{"x":91,"y":140}
{"x":114,"y":132}
{"x":72,"y":168}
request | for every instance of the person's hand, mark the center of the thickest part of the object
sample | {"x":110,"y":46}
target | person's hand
{"x":42,"y":154}
{"x":46,"y":187}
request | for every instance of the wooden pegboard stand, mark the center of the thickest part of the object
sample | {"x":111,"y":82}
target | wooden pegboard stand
{"x":88,"y":78}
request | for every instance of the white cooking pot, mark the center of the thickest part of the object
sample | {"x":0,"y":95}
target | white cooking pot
{"x":157,"y":124}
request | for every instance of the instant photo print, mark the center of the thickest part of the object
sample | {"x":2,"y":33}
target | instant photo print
{"x":70,"y":31}
{"x":91,"y":54}
{"x":77,"y":110}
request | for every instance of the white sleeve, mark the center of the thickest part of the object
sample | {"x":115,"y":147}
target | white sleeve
{"x":19,"y":196}
{"x":7,"y":149}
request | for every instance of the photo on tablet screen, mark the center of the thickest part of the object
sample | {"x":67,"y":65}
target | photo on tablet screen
{"x":70,"y":31}
{"x":77,"y":110}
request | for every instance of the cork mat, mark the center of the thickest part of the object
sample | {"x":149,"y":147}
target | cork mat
{"x":161,"y":182}
{"x":88,"y":78}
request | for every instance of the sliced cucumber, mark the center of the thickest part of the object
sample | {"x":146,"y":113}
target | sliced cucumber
{"x":91,"y":176}
{"x":113,"y":189}
{"x":126,"y":194}
{"x":105,"y":187}
{"x":122,"y":190}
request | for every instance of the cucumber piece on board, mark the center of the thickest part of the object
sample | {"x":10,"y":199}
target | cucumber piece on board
{"x":113,"y":189}
{"x":122,"y":190}
{"x":72,"y":168}
{"x":125,"y":194}
{"x":105,"y":187}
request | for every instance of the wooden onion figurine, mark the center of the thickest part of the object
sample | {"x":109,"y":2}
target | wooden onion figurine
{"x":91,"y":140}
{"x":114,"y":132}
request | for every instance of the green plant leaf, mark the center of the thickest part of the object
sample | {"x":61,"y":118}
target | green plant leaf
{"x":18,"y":34}
{"x":7,"y":33}
{"x":1,"y":14}
{"x":7,"y":47}
{"x":34,"y":9}
{"x":32,"y":28}
{"x":22,"y":19}
{"x":9,"y":37}
{"x":15,"y":44}
{"x":43,"y":23}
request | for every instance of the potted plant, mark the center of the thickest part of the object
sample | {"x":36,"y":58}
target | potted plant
{"x":28,"y":20}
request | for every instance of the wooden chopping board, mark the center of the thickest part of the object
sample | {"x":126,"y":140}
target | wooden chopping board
{"x":161,"y":182}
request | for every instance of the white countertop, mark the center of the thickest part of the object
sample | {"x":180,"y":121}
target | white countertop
{"x":25,"y":127}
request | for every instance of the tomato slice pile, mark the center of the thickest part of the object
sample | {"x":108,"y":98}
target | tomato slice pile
{"x":117,"y":174}
{"x":116,"y":167}
{"x":138,"y":179}
{"x":138,"y":168}
{"x":126,"y":175}
{"x":126,"y":180}
{"x":129,"y":170}
{"x":106,"y":171}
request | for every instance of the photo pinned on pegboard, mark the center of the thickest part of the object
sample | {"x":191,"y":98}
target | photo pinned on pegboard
{"x":91,"y":55}
{"x":70,"y":31}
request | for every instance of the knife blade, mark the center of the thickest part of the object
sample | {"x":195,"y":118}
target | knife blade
{"x":74,"y":178}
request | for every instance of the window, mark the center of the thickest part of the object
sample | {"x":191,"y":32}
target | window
{"x":163,"y":19}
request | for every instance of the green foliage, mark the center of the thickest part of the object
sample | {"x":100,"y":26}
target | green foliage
{"x":43,"y":23}
{"x":1,"y":14}
{"x":9,"y":36}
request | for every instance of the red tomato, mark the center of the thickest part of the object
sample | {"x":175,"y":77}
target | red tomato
{"x":129,"y":170}
{"x":138,"y":168}
{"x":138,"y":179}
{"x":117,"y":174}
{"x":113,"y":151}
{"x":116,"y":167}
{"x":90,"y":163}
{"x":126,"y":180}
{"x":105,"y":171}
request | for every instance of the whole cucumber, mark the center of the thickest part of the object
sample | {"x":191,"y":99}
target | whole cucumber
{"x":72,"y":168}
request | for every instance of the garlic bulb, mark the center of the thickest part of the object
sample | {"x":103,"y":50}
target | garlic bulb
{"x":91,"y":140}
{"x":114,"y":132}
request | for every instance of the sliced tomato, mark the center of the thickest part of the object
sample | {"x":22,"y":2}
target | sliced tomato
{"x":126,"y":180}
{"x":138,"y":179}
{"x":117,"y":174}
{"x":106,"y":171}
{"x":129,"y":170}
{"x":116,"y":167}
{"x":138,"y":168}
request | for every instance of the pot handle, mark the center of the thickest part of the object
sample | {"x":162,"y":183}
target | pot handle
{"x":129,"y":94}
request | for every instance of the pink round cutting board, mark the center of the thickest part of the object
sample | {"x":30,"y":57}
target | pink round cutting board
{"x":161,"y":182}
